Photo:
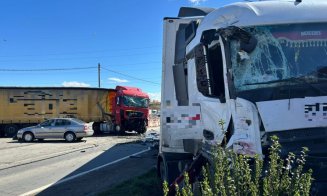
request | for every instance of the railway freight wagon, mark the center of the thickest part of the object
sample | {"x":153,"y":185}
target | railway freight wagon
{"x":26,"y":106}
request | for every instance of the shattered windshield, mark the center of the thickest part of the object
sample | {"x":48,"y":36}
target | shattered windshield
{"x":282,"y":53}
{"x":135,"y":101}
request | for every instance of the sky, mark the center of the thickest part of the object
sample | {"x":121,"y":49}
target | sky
{"x":61,"y":42}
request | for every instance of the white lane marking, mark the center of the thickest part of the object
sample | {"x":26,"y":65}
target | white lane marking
{"x":33,"y":192}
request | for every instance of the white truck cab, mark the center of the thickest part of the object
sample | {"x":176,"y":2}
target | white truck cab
{"x":243,"y":72}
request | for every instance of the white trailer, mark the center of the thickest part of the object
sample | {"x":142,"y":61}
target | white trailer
{"x":259,"y":67}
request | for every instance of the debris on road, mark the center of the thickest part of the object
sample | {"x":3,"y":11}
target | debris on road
{"x":152,"y":138}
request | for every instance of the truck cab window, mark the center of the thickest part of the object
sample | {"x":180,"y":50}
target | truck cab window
{"x":209,"y":70}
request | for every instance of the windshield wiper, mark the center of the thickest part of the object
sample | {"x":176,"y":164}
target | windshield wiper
{"x":272,"y":81}
{"x":300,"y":80}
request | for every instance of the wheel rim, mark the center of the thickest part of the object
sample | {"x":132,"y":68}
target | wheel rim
{"x":69,"y":137}
{"x":28,"y":137}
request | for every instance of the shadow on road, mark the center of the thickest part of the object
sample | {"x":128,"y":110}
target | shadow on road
{"x":83,"y":182}
{"x":60,"y":141}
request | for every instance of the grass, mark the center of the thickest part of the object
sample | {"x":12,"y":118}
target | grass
{"x":147,"y":184}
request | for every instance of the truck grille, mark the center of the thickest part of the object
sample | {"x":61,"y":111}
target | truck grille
{"x":134,"y":114}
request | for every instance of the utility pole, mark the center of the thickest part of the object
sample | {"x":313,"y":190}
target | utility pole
{"x":99,"y":85}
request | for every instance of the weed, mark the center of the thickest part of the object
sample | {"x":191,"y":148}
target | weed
{"x":235,"y":174}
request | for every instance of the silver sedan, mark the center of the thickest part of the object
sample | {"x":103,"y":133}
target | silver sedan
{"x":71,"y":129}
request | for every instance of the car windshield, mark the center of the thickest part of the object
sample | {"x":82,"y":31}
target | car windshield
{"x":283,"y":54}
{"x":135,"y":101}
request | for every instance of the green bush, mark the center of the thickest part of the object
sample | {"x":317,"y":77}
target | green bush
{"x":234,"y":174}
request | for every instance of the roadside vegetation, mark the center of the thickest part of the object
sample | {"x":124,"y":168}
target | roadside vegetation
{"x":146,"y":185}
{"x":233,"y":174}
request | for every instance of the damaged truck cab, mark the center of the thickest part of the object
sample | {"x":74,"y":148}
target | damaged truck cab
{"x":243,"y":72}
{"x":131,"y":109}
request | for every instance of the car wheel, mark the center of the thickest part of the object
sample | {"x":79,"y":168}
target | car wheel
{"x":28,"y":137}
{"x":70,"y":137}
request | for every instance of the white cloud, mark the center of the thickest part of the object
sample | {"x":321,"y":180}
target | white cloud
{"x":75,"y":84}
{"x":155,"y":96}
{"x":196,"y":2}
{"x":118,"y":80}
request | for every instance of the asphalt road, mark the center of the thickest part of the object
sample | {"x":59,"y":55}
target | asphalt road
{"x":44,"y":167}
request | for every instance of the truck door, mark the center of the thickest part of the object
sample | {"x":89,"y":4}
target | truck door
{"x":208,"y":85}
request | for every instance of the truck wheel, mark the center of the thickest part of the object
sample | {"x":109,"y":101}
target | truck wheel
{"x":196,"y":188}
{"x":120,"y":129}
{"x":142,"y":129}
{"x":11,"y":130}
{"x":169,"y":171}
{"x":70,"y":137}
{"x":28,"y":137}
{"x":96,"y":128}
{"x":162,"y":171}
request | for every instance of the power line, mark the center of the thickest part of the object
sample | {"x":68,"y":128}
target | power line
{"x":129,"y":76}
{"x":76,"y":68}
{"x":48,"y":69}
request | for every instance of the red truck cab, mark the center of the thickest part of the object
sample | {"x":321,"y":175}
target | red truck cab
{"x":131,"y":109}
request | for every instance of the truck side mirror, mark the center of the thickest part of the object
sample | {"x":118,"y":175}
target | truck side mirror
{"x":208,"y":36}
{"x":247,"y":41}
{"x":248,"y":45}
{"x":118,"y":101}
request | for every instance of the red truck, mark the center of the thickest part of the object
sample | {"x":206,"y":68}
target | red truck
{"x":120,"y":109}
{"x":130,"y":111}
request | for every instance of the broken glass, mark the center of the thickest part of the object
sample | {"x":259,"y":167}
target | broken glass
{"x":135,"y":101}
{"x":283,"y":52}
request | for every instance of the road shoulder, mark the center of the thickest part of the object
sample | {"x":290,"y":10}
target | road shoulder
{"x":106,"y":177}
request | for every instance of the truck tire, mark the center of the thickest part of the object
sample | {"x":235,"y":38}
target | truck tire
{"x":70,"y":136}
{"x":120,"y":129}
{"x":142,"y":129}
{"x":96,"y":128}
{"x":11,"y":130}
{"x":196,"y":188}
{"x":168,"y":167}
{"x":28,"y":137}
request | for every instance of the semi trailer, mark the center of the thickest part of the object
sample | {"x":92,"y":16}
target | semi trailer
{"x":120,"y":109}
{"x":259,"y":68}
